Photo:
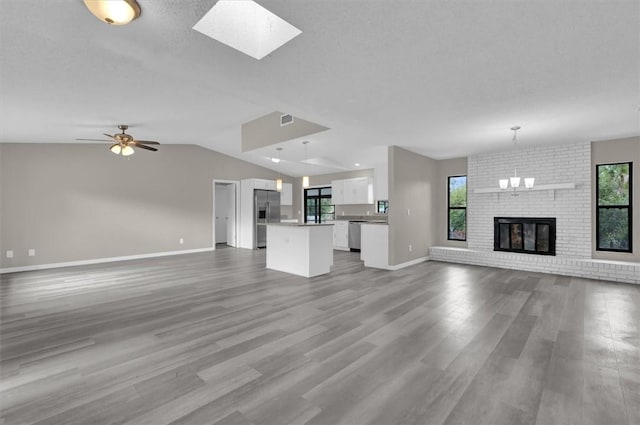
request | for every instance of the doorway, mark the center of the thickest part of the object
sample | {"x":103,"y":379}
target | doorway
{"x":225,"y":212}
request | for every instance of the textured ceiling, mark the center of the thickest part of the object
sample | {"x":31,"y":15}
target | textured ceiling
{"x":444,"y":78}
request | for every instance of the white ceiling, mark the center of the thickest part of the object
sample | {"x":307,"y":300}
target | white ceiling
{"x":443,"y":78}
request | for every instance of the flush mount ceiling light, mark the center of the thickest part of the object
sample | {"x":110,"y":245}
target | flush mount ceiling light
{"x":114,"y":12}
{"x":515,"y":180}
{"x":246,"y":26}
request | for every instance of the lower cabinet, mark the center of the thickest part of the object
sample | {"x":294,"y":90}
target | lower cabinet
{"x":375,"y":246}
{"x":340,"y":234}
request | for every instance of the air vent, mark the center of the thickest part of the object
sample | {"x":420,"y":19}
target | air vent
{"x":286,"y":119}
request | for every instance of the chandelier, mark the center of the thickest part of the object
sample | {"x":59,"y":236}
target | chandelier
{"x":514,"y":182}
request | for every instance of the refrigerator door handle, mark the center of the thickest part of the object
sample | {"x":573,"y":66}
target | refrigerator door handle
{"x":268,"y":211}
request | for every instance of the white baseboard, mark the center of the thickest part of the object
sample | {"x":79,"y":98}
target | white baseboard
{"x":407,"y":264}
{"x":101,"y":260}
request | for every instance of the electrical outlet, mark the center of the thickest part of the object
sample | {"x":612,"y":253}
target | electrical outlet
{"x":9,"y":254}
{"x":181,"y":241}
{"x":410,"y":248}
{"x":408,"y":211}
{"x":32,"y":252}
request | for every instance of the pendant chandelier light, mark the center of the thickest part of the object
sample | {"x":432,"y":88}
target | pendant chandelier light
{"x":305,"y":178}
{"x":514,"y":181}
{"x":279,"y":179}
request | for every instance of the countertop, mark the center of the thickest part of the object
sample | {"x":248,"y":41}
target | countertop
{"x":300,"y":224}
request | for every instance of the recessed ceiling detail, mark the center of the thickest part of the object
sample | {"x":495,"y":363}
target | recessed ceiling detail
{"x":267,"y":130}
{"x":246,"y":26}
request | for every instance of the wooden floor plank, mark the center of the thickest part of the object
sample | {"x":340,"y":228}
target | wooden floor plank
{"x":218,"y":338}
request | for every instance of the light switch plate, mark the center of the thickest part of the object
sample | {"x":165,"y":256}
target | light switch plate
{"x":32,"y":252}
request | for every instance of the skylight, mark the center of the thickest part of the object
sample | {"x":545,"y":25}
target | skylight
{"x":246,"y":26}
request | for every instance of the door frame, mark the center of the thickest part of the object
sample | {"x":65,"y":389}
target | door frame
{"x":236,"y":208}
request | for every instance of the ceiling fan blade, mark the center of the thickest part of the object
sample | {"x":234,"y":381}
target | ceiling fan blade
{"x":108,"y":135}
{"x":149,"y":148}
{"x":147,"y":142}
{"x":95,"y":140}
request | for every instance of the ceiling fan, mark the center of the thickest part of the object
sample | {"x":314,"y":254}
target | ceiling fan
{"x":125,"y":142}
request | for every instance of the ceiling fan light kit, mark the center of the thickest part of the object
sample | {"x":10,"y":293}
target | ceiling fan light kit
{"x":118,"y":149}
{"x":114,"y":12}
{"x":125,"y":142}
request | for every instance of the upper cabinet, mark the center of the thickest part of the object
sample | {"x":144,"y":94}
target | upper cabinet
{"x":263,"y":184}
{"x":381,"y":181}
{"x":286,"y":196}
{"x":337,"y":192}
{"x":352,"y":191}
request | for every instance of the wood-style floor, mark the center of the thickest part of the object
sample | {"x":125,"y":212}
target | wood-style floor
{"x":215,"y":338}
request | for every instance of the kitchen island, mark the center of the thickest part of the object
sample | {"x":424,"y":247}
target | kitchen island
{"x":375,"y":245}
{"x":300,"y":249}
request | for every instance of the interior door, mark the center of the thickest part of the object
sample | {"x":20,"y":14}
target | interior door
{"x":231,"y":214}
{"x":220,"y":213}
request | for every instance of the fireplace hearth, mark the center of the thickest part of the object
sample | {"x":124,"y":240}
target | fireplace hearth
{"x":526,"y":235}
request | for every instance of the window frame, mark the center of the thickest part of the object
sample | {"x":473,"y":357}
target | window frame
{"x":449,"y":208}
{"x":319,"y":197}
{"x":628,"y":207}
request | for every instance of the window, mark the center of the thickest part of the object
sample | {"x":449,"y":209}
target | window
{"x":457,"y":208}
{"x":383,"y":207}
{"x":613,"y":207}
{"x":318,"y":207}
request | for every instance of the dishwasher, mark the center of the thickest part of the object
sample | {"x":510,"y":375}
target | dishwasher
{"x":354,"y":235}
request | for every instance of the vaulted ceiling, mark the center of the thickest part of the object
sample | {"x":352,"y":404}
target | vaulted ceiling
{"x":444,"y":78}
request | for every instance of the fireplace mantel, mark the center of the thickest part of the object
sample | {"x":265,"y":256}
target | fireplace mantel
{"x":556,"y":186}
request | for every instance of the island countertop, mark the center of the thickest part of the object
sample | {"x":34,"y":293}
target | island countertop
{"x":301,"y":224}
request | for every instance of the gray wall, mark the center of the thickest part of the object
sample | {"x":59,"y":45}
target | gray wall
{"x":612,"y":151}
{"x":446,"y":168}
{"x":79,"y":202}
{"x":412,"y":182}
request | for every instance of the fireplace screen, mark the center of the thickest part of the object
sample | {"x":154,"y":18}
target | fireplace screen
{"x":525,"y":234}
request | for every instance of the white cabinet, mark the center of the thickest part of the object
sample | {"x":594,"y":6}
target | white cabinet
{"x":286,"y":196}
{"x":337,"y":192}
{"x":264,"y":184}
{"x":300,"y":250}
{"x":340,"y":234}
{"x":352,"y":191}
{"x":375,"y":245}
{"x":381,"y":181}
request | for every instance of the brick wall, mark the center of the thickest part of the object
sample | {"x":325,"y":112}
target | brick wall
{"x":571,"y":208}
{"x":549,"y":165}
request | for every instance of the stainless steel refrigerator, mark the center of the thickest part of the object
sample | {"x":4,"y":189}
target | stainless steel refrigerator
{"x":266,"y":210}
